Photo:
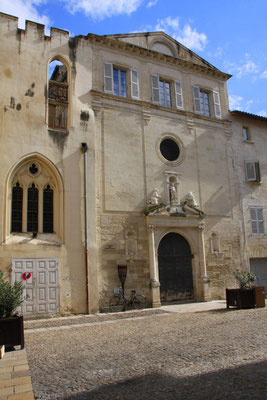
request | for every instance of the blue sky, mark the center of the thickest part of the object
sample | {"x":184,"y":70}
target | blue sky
{"x":231,"y":34}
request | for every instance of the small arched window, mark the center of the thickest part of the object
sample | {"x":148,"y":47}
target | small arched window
{"x":58,"y":96}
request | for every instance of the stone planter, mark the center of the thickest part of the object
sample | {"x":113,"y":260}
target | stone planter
{"x":240,"y":298}
{"x":12,"y":332}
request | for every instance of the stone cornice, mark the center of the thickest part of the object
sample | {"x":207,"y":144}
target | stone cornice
{"x":146,"y":105}
{"x":129,"y":47}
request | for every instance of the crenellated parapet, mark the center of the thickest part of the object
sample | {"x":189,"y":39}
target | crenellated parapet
{"x":33,"y":30}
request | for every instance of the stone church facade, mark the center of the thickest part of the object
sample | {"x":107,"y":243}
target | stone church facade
{"x":120,"y":150}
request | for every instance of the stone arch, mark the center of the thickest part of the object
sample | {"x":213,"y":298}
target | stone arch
{"x":175,"y":268}
{"x":58,"y":94}
{"x":47,"y":174}
{"x":163,"y":46}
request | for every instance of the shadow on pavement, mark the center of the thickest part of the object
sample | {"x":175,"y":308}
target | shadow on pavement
{"x":246,"y":382}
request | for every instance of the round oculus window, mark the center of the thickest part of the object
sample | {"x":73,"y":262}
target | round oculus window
{"x":169,"y":149}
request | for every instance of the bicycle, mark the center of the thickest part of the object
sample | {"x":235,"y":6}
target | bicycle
{"x":119,"y":302}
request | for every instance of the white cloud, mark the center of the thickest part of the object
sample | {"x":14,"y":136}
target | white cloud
{"x":167,"y":24}
{"x":218,"y":53}
{"x":262,"y":113}
{"x":248,"y":68}
{"x":152,"y":3}
{"x":235,"y":102}
{"x":264,"y":74}
{"x":192,"y":39}
{"x":186,"y":35}
{"x":100,"y":9}
{"x":25,"y":10}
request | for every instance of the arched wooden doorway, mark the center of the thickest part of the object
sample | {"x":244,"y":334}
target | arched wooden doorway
{"x":175,"y":268}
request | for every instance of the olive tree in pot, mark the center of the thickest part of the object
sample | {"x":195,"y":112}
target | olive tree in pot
{"x":244,"y":297}
{"x":11,"y":324}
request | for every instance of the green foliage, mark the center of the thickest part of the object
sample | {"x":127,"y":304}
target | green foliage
{"x":10,"y":297}
{"x":244,"y":278}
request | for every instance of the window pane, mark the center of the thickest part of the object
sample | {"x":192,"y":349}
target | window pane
{"x":260,"y":213}
{"x":254,"y":227}
{"x":165,"y":93}
{"x":261,"y":227}
{"x":253,"y":213}
{"x":48,"y":210}
{"x":32,"y":212}
{"x":245,"y":133}
{"x":204,"y":103}
{"x":16,"y":215}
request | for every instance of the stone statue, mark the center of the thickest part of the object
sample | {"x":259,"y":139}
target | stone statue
{"x":190,"y":206}
{"x":154,"y":200}
{"x":173,"y":193}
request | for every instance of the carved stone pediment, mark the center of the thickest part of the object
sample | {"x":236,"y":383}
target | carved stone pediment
{"x":187,"y":207}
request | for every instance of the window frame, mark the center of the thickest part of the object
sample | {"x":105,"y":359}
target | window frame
{"x":47,"y":174}
{"x":256,"y":169}
{"x":246,"y":137}
{"x":213,"y":99}
{"x":257,"y":220}
{"x":132,"y":80}
{"x":176,"y":92}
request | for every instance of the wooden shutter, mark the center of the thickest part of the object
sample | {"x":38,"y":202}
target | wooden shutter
{"x":250,"y":171}
{"x":196,"y":96}
{"x":258,"y":172}
{"x":155,"y":88}
{"x":108,"y":78}
{"x":217,"y":105}
{"x":134,"y":84}
{"x":179,"y":94}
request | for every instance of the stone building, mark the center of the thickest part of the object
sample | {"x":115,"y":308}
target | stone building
{"x":119,"y":150}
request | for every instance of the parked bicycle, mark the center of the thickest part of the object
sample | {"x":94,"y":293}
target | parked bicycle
{"x":119,"y":302}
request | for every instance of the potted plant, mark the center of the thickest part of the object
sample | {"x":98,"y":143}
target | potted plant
{"x":11,"y":324}
{"x":244,"y":297}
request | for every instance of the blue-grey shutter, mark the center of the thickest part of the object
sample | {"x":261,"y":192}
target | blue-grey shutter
{"x":134,"y":84}
{"x":179,"y":94}
{"x":155,"y":88}
{"x":196,"y":96}
{"x":217,"y":104}
{"x":108,"y":78}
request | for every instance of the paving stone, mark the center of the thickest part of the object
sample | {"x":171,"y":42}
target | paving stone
{"x":169,"y":355}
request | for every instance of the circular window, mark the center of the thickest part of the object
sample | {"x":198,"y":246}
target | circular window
{"x":169,"y":149}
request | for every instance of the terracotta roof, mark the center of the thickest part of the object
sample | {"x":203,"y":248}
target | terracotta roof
{"x":248,"y":115}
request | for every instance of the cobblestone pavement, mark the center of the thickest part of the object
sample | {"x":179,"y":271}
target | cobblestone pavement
{"x":215,"y":355}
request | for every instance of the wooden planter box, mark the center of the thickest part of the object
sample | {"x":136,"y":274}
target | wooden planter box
{"x":240,"y":298}
{"x":12,"y":331}
{"x":259,"y":296}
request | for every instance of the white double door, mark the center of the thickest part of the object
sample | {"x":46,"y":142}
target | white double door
{"x":41,"y":288}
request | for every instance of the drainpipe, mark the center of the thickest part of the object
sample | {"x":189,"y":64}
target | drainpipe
{"x":84,"y":149}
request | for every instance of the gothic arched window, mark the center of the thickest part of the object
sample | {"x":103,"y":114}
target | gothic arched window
{"x":35,"y":198}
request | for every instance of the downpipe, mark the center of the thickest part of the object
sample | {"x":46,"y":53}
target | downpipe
{"x":84,"y":149}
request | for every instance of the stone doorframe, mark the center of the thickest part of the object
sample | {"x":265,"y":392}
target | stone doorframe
{"x":192,"y":229}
